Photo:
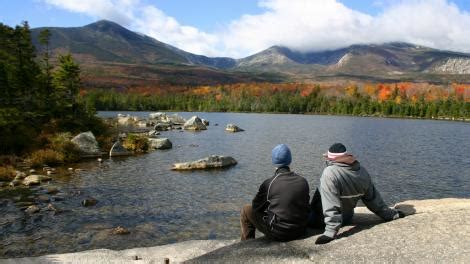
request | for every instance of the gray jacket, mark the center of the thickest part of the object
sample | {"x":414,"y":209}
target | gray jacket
{"x":342,"y":184}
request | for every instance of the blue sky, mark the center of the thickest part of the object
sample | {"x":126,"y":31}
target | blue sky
{"x":241,"y":27}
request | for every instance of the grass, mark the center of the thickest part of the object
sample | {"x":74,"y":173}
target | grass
{"x":46,"y":156}
{"x":7,"y":173}
{"x":136,"y":143}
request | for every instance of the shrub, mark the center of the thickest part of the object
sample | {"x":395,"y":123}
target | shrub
{"x":62,"y":144}
{"x":7,"y":173}
{"x":46,"y":156}
{"x":136,"y":143}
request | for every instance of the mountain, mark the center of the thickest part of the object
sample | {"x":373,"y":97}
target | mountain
{"x":112,"y":55}
{"x":387,"y":60}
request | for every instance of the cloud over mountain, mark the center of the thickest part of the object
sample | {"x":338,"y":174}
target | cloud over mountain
{"x":303,"y":25}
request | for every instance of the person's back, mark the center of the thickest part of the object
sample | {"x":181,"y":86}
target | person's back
{"x":343,"y":183}
{"x":281,"y":206}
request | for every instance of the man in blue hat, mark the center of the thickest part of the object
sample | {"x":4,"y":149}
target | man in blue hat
{"x":280,"y":208}
{"x":342,"y":184}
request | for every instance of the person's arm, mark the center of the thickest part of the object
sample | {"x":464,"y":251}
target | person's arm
{"x":374,"y":202}
{"x":331,"y":204}
{"x":259,"y":202}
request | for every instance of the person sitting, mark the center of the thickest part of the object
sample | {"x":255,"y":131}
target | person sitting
{"x":280,"y":208}
{"x":342,"y":184}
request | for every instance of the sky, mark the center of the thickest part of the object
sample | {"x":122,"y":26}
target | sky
{"x":238,"y":28}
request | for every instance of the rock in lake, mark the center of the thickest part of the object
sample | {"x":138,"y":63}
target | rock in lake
{"x":87,"y":144}
{"x":89,"y":202}
{"x":32,"y":209}
{"x":153,"y":133}
{"x":20,"y":175}
{"x":118,"y":150}
{"x":194,"y":123}
{"x":120,"y":231}
{"x":162,"y":126}
{"x":233,"y":128}
{"x":210,"y":162}
{"x":205,"y":122}
{"x":160,"y":143}
{"x":35,"y":179}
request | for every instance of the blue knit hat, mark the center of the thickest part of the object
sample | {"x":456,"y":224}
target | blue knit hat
{"x":281,"y":155}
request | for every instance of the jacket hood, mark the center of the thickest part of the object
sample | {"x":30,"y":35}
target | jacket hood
{"x":345,"y":161}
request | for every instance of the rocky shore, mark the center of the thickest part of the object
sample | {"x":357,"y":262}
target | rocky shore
{"x":433,"y":231}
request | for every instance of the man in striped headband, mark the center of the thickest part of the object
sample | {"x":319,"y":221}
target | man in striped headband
{"x":343,"y":183}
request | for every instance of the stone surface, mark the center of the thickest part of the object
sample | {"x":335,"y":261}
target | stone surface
{"x":118,"y":150}
{"x":35,"y":179}
{"x":160,"y":143}
{"x":436,"y":232}
{"x":194,"y":123}
{"x":126,"y":120}
{"x":206,"y":163}
{"x":87,"y":144}
{"x":205,"y":122}
{"x":162,"y":126}
{"x":233,"y":128}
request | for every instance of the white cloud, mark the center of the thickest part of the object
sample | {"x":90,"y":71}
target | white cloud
{"x":304,"y":25}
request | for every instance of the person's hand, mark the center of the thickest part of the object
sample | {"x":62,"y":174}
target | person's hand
{"x":399,"y":214}
{"x":323,"y":240}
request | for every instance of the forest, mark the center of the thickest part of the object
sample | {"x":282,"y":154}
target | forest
{"x":420,"y":100}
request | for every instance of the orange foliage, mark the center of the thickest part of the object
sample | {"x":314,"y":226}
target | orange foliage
{"x":384,"y":92}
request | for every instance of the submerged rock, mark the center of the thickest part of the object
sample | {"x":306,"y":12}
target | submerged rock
{"x":89,"y":202}
{"x":160,"y":143}
{"x":87,"y":144}
{"x":32,"y":209}
{"x":118,"y":150}
{"x":233,"y":128}
{"x":120,"y":231}
{"x":194,"y":123}
{"x":35,"y":179}
{"x":206,"y":163}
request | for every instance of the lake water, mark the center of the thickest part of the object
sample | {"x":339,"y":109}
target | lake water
{"x":408,"y":159}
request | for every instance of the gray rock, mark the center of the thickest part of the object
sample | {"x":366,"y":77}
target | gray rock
{"x":233,"y":128}
{"x":162,"y":126}
{"x":176,"y":119}
{"x":35,"y":179}
{"x":89,"y":202}
{"x":120,"y":231}
{"x":32,"y":209}
{"x":153,"y":133}
{"x":126,"y":120}
{"x":205,"y":122}
{"x":15,"y":182}
{"x":20,"y":175}
{"x":206,"y":163}
{"x":160,"y":143}
{"x":43,"y":198}
{"x":194,"y":123}
{"x":118,"y":150}
{"x":87,"y":144}
{"x":52,"y":190}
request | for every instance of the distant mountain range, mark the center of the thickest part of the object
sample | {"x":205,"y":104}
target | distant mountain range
{"x":111,"y":54}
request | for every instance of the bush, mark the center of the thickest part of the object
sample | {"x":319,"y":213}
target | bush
{"x":7,"y":173}
{"x":136,"y":143}
{"x":62,"y":144}
{"x":46,"y":156}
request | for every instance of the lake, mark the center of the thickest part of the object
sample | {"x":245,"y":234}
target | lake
{"x":408,"y":159}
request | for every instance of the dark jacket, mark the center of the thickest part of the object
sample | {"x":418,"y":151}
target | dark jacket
{"x":285,"y":209}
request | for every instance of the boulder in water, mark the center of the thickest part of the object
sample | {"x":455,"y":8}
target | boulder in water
{"x":35,"y":179}
{"x":210,"y":162}
{"x":118,"y":150}
{"x":194,"y":123}
{"x":87,"y":144}
{"x":233,"y":128}
{"x":205,"y":122}
{"x":160,"y":143}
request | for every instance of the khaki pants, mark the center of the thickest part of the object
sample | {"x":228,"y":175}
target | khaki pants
{"x":248,"y":223}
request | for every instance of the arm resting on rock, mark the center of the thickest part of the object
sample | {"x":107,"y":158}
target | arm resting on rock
{"x":376,"y":204}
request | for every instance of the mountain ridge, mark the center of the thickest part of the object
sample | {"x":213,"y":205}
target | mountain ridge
{"x":106,"y":42}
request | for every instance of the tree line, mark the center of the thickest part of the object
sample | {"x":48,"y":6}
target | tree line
{"x":38,"y":95}
{"x":315,"y":101}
